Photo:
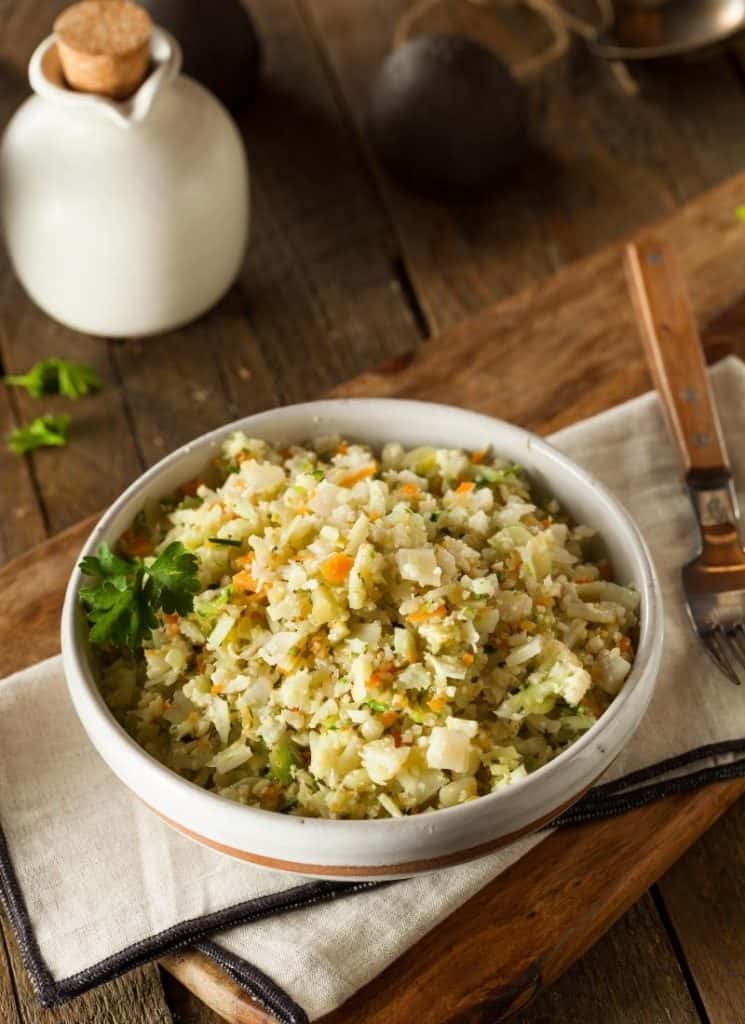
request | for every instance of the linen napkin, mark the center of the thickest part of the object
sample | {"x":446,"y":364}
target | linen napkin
{"x":95,"y":884}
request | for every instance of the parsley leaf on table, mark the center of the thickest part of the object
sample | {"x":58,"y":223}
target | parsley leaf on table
{"x":57,"y":377}
{"x":43,"y":432}
{"x":121,"y":605}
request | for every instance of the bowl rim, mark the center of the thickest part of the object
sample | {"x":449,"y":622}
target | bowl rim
{"x":75,"y":648}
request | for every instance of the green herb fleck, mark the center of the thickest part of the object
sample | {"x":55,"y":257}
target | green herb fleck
{"x":57,"y":377}
{"x":282,"y":762}
{"x":375,"y":705}
{"x":43,"y":432}
{"x":121,"y":605}
{"x":225,"y":542}
{"x":434,"y":517}
{"x":740,"y":213}
{"x":488,"y":476}
{"x":319,"y":474}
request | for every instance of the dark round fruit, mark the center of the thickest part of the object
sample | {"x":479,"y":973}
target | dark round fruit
{"x":446,"y":116}
{"x":220,"y":44}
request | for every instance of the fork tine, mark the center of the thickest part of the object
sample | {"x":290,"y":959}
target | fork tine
{"x":728,"y":648}
{"x":737,"y":643}
{"x":738,"y":640}
{"x":712,"y":650}
{"x":720,"y":649}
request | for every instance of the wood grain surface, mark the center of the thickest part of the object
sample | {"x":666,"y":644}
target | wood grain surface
{"x":345,"y":271}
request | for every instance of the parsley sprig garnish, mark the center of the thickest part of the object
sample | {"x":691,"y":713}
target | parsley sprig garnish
{"x":57,"y":377}
{"x":122,"y":604}
{"x":43,"y":432}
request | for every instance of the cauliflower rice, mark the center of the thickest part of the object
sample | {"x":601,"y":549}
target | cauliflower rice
{"x":376,"y":635}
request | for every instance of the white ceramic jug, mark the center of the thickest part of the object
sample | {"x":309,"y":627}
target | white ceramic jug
{"x":123,"y":218}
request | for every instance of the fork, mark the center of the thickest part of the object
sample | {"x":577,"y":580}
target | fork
{"x":713,"y":581}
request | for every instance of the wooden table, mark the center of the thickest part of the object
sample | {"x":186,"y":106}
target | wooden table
{"x":344,"y":272}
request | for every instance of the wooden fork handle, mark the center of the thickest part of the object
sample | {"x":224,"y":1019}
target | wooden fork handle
{"x":676,"y":360}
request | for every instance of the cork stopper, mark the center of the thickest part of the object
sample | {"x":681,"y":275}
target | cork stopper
{"x":104,"y":46}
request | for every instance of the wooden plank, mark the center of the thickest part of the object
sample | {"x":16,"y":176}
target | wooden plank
{"x":138,"y":996}
{"x":320,"y":290}
{"x":578,"y":332}
{"x":21,"y":522}
{"x":605,"y":986}
{"x":9,"y":1012}
{"x":704,"y":895}
{"x":605,"y":163}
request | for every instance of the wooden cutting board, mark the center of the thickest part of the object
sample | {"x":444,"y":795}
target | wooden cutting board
{"x":560,"y":351}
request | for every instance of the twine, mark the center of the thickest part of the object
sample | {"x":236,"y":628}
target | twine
{"x":561,"y":22}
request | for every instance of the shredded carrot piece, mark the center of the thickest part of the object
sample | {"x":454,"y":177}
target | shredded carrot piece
{"x":190,"y":487}
{"x":172,"y":622}
{"x":244,"y":581}
{"x":545,"y":523}
{"x":216,"y":688}
{"x":336,"y":568}
{"x":583,"y":579}
{"x":388,"y":718}
{"x":591,"y":704}
{"x":244,"y":560}
{"x":359,"y":474}
{"x":478,"y":457}
{"x":396,"y":737}
{"x":467,"y":658}
{"x":410,"y":490}
{"x":376,"y":680}
{"x":544,"y":602}
{"x":424,"y":616}
{"x":342,"y":448}
{"x":136,"y":544}
{"x":465,"y":487}
{"x":527,"y":626}
{"x":436,"y":703}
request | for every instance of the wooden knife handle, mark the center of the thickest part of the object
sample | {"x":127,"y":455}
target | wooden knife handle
{"x":676,"y":360}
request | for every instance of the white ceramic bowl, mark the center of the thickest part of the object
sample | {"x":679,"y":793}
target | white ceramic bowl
{"x":395,"y":847}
